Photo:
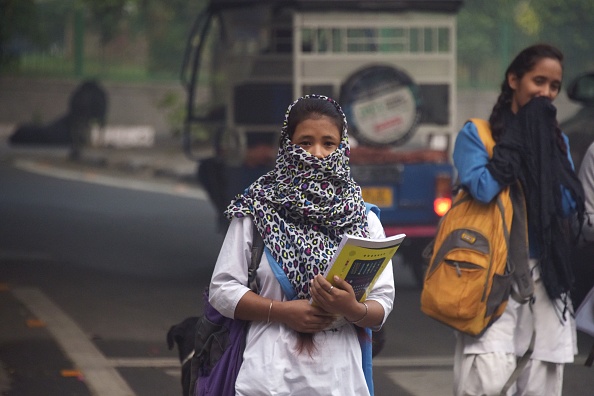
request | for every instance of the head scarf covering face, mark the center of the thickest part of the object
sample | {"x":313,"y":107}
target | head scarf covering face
{"x":304,"y":206}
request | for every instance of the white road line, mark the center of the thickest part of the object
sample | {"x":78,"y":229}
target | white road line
{"x":99,"y":375}
{"x":144,"y":362}
{"x":178,"y":189}
{"x":104,"y":380}
{"x":415,"y":361}
{"x":424,"y":382}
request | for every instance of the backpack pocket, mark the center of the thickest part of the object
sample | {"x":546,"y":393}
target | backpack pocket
{"x":499,"y":292}
{"x":212,"y":340}
{"x":460,"y":275}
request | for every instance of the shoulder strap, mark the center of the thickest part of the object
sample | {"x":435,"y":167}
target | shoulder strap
{"x":366,"y":342}
{"x":257,"y":250}
{"x":484,"y":132}
{"x":371,"y":207}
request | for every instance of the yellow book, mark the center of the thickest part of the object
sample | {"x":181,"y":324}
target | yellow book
{"x":360,"y":261}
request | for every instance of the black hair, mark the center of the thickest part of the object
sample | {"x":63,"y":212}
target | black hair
{"x":313,"y":108}
{"x":523,"y":63}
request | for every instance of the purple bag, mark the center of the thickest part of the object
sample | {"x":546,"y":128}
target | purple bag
{"x":219,"y":346}
{"x":220,"y":341}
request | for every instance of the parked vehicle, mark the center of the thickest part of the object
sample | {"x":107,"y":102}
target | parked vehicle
{"x":391,"y":64}
{"x":580,"y":131}
{"x":580,"y":127}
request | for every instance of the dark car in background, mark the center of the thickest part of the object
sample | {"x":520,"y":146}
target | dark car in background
{"x":580,"y":130}
{"x":580,"y":127}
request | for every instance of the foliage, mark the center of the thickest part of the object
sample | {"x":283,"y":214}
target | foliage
{"x":107,"y":15}
{"x":167,"y":25}
{"x":19,"y":30}
{"x":569,"y":25}
{"x":491,"y":32}
{"x":174,"y":106}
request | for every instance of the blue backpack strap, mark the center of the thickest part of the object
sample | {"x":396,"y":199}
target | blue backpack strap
{"x":373,"y":208}
{"x":280,"y":276}
{"x":366,"y":346}
{"x":367,"y":358}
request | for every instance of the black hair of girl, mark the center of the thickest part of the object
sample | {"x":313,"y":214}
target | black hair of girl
{"x":523,"y":63}
{"x":313,"y":108}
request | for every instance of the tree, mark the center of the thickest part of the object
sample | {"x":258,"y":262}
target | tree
{"x":167,"y":25}
{"x":569,"y":25}
{"x":17,"y":28}
{"x":107,"y":16}
{"x":491,"y":32}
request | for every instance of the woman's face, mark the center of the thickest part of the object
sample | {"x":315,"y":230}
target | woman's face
{"x":318,"y":136}
{"x":543,"y":80}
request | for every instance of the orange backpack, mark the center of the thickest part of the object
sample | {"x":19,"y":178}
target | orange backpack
{"x":469,"y":277}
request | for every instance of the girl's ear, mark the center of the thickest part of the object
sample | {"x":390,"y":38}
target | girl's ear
{"x":513,"y":81}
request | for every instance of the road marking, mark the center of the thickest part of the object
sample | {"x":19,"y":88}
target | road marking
{"x":177,"y":189}
{"x":415,"y":361}
{"x":99,"y":374}
{"x":424,"y":382}
{"x":173,"y":373}
{"x":428,"y":375}
{"x":144,"y":362}
{"x":418,"y":375}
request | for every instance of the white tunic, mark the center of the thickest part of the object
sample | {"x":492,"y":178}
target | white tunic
{"x":556,"y":337}
{"x":271,"y":366}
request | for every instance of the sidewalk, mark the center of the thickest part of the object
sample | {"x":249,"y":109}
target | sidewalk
{"x":164,"y":161}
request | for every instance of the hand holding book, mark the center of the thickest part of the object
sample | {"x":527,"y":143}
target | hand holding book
{"x":360,"y":261}
{"x":353,"y":271}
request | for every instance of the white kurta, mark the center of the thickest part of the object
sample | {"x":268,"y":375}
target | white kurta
{"x":556,"y":338}
{"x":271,"y":365}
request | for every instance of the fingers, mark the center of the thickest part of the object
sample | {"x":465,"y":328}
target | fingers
{"x":342,"y":284}
{"x":323,"y":290}
{"x":320,"y":284}
{"x":316,"y":323}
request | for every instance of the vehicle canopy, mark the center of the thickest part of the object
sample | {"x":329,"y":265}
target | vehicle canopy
{"x":390,"y":64}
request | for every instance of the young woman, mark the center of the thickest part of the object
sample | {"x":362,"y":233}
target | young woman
{"x":530,"y":149}
{"x":301,"y":208}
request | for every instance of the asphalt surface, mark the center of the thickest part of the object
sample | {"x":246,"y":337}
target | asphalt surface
{"x":163,"y":167}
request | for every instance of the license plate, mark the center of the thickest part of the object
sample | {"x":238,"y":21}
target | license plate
{"x":380,"y":196}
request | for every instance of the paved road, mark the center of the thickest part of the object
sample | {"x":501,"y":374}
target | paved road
{"x":87,"y":317}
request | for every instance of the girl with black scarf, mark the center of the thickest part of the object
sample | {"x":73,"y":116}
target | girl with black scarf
{"x":530,"y":149}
